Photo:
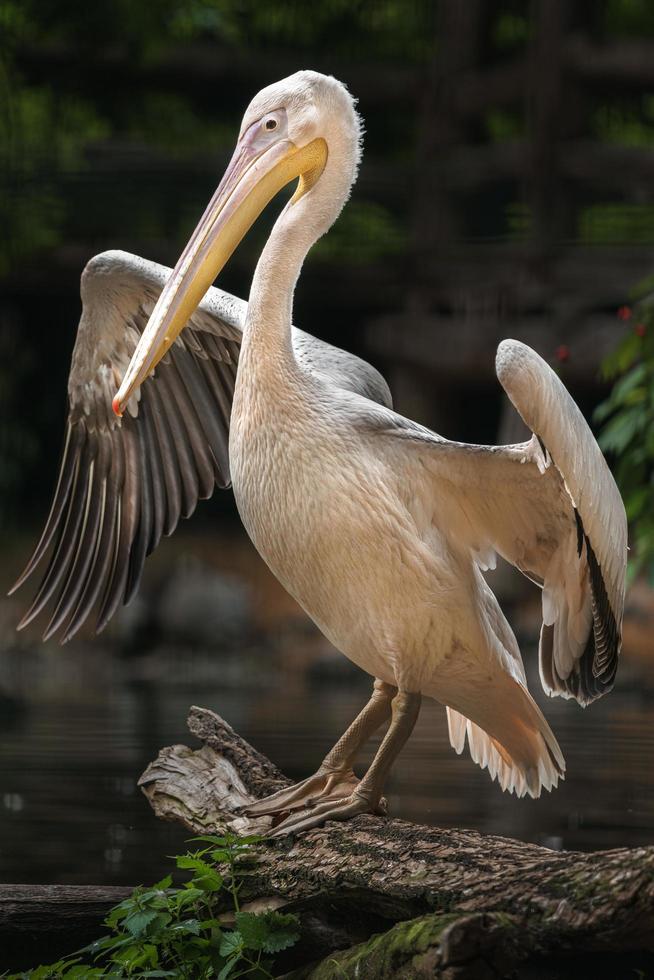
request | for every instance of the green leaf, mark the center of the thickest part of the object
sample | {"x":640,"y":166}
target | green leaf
{"x":284,"y":931}
{"x":222,"y":857}
{"x":97,"y":945}
{"x":622,"y":357}
{"x":210,"y":924}
{"x":619,"y":432}
{"x":227,"y":969}
{"x":210,"y":839}
{"x":254,"y":929}
{"x":119,"y":912}
{"x":152,"y":898}
{"x":137,"y":956}
{"x":129,"y":956}
{"x":163,"y":884}
{"x":187,"y":926}
{"x":209,"y":882}
{"x":629,"y":381}
{"x":603,"y":410}
{"x":160,"y":921}
{"x":138,"y":922}
{"x":188,"y":896}
{"x":186,"y":862}
{"x":230,"y":943}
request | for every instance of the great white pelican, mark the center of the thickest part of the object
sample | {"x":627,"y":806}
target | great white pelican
{"x":380,"y":528}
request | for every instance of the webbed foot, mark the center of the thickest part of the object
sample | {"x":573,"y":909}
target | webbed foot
{"x":324,"y":786}
{"x":341,"y":809}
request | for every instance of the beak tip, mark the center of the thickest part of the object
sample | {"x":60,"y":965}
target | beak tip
{"x":116,"y":407}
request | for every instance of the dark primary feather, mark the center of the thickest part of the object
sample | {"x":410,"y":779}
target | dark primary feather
{"x":595,"y":671}
{"x":122,"y":488}
{"x":124,"y":484}
{"x":599,"y":662}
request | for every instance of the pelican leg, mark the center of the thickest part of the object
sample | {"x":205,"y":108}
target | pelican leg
{"x":367,"y":794}
{"x":335,"y":777}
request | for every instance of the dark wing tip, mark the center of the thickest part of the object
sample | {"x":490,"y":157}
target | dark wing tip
{"x":595,"y":672}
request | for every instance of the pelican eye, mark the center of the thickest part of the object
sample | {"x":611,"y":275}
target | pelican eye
{"x":270,"y":124}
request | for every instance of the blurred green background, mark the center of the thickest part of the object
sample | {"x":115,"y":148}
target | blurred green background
{"x":507,"y":189}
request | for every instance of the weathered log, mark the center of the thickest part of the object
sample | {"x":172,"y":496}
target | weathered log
{"x":40,"y":923}
{"x":347,"y":881}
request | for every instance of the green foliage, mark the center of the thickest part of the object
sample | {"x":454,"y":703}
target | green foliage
{"x":394,"y":29}
{"x":627,"y":418}
{"x":195,"y":932}
{"x":624,"y":122}
{"x":615,"y":223}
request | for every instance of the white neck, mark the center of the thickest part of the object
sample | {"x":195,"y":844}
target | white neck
{"x":267,"y":335}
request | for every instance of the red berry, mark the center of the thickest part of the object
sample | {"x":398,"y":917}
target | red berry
{"x":640,"y":329}
{"x":562,"y":353}
{"x":624,"y":313}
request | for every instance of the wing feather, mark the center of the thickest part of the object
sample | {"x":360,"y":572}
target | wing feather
{"x":600,"y":532}
{"x":210,"y":427}
{"x":59,"y":501}
{"x":169,"y":462}
{"x":65,"y":543}
{"x":124,"y":484}
{"x":79,"y":569}
{"x":549,"y":506}
{"x":144,"y":497}
{"x":152,"y":454}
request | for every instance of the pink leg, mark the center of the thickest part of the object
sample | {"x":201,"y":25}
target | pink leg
{"x":366,"y":796}
{"x":335,"y":777}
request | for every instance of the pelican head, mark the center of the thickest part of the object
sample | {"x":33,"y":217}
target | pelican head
{"x":304,"y":126}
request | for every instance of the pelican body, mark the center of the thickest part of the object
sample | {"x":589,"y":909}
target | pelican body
{"x":380,"y":528}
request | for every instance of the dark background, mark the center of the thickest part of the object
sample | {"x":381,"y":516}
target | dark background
{"x":507,"y":189}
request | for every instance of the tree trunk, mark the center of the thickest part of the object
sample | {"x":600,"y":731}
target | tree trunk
{"x":478,"y":903}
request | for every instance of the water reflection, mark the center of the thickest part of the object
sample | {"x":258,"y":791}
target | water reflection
{"x":86,"y":721}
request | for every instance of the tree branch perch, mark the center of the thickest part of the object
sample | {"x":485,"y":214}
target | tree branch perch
{"x":505,"y":899}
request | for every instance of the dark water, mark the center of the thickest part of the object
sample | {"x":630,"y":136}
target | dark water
{"x":79,"y":725}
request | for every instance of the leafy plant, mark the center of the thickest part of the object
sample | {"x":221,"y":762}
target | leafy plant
{"x":193,"y":932}
{"x":627,"y":418}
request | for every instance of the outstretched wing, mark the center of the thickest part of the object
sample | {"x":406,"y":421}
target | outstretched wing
{"x":599,"y":537}
{"x":125,"y":483}
{"x":550,"y":507}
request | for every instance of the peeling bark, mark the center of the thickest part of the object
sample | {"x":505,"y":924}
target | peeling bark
{"x":464,"y":890}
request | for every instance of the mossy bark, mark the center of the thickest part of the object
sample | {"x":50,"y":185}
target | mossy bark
{"x":477,"y":947}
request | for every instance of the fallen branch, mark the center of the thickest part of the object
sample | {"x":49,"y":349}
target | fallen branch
{"x":40,"y":923}
{"x":348,"y":881}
